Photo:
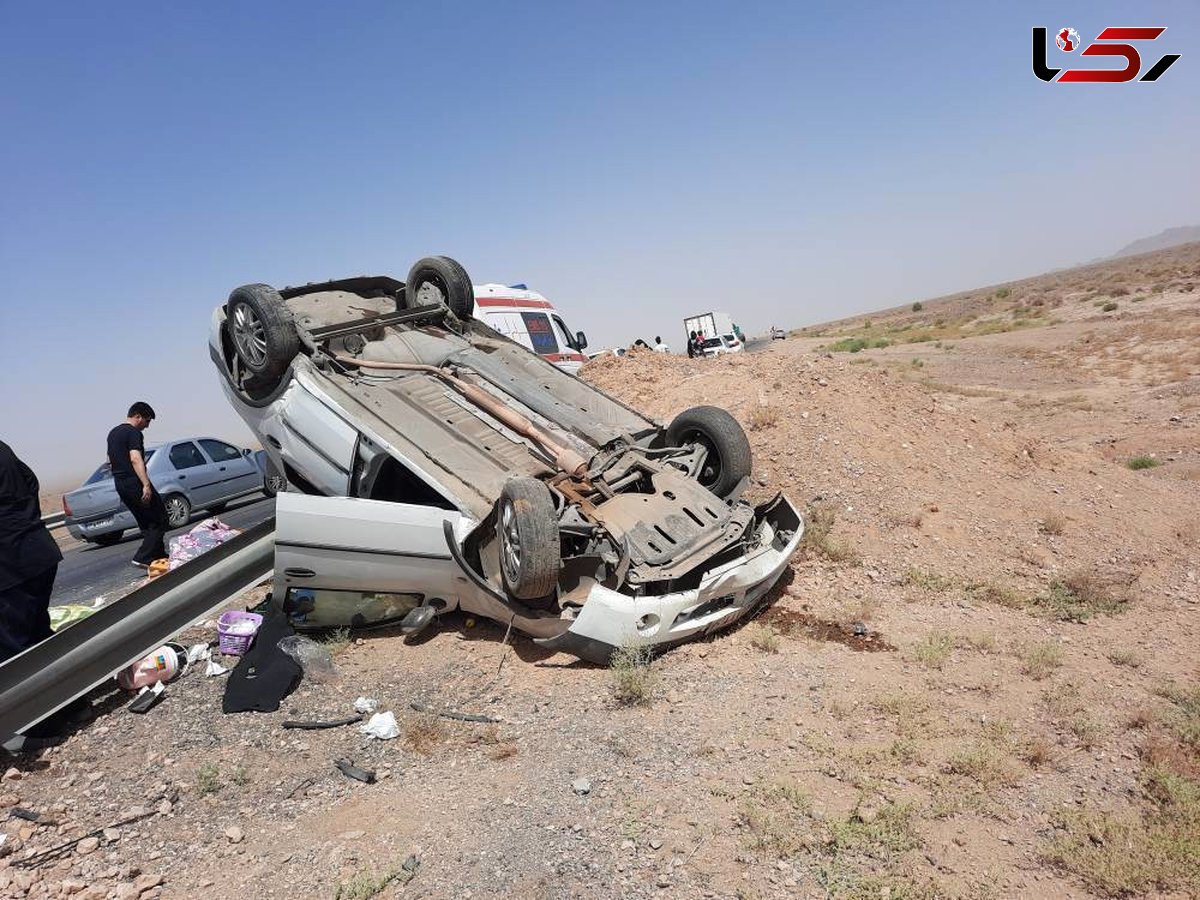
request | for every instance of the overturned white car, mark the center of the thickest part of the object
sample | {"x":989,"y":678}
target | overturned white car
{"x":434,"y":464}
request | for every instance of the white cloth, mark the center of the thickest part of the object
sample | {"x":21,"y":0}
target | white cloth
{"x":661,"y":348}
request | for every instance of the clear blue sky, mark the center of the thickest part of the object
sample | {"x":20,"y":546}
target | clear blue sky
{"x":635,"y":162}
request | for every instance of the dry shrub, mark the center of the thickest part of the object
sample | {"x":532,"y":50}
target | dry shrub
{"x":1123,"y":656}
{"x":1039,"y":753}
{"x":985,"y":763}
{"x":763,"y":417}
{"x":763,"y":637}
{"x":1153,"y":847}
{"x":818,"y":523}
{"x":1083,"y":594}
{"x":1040,"y":660}
{"x":933,"y":650}
{"x":996,"y":594}
{"x":776,"y":820}
{"x":633,"y":676}
{"x":1052,"y":523}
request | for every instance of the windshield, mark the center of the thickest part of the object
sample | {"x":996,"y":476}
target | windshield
{"x":541,"y":335}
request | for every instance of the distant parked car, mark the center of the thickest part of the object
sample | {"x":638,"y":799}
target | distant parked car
{"x":192,"y":474}
{"x":778,"y":334}
{"x":614,"y":351}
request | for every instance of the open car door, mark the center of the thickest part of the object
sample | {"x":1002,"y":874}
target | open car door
{"x":346,"y":561}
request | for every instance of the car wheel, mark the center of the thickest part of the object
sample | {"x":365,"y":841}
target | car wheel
{"x":262,"y":330}
{"x":728,"y":460}
{"x":107,"y":540}
{"x":530,"y":552}
{"x":274,"y":483}
{"x":179,"y":511}
{"x":439,"y":279}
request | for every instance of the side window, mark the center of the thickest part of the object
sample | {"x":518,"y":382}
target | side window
{"x":220,"y":451}
{"x":186,"y":456}
{"x":541,"y":335}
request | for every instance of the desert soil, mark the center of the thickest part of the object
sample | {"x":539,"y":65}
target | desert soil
{"x":974,"y":680}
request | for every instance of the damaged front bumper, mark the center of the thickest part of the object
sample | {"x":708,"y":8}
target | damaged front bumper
{"x":609,"y":619}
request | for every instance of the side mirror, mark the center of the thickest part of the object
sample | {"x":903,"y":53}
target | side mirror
{"x":581,"y":340}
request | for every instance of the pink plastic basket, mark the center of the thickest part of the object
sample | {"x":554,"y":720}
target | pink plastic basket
{"x":236,"y":644}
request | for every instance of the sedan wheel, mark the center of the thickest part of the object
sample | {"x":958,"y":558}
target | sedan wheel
{"x":178,"y":510}
{"x":274,"y":484}
{"x":530,"y":550}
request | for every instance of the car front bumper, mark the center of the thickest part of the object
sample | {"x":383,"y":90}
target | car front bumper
{"x":610,"y":619}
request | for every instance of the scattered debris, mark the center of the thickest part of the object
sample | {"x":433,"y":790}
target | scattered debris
{"x":347,"y":768}
{"x":37,"y":859}
{"x":458,"y":716}
{"x":581,"y":786}
{"x":382,"y":726}
{"x":318,"y":725}
{"x":314,"y":660}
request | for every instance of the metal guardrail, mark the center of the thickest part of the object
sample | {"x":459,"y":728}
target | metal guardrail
{"x":55,"y":520}
{"x":45,"y":678}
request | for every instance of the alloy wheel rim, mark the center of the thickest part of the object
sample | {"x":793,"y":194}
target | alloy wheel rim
{"x":249,"y":336}
{"x":176,"y":514}
{"x":510,"y":543}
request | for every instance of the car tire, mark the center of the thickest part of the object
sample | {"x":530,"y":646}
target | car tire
{"x":729,"y":459}
{"x":439,"y":279}
{"x":262,"y":330}
{"x":107,"y":540}
{"x":527,"y":527}
{"x":274,"y":483}
{"x":179,"y":510}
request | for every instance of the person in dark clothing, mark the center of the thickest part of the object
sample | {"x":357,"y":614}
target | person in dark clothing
{"x":691,"y":345}
{"x":29,"y":559}
{"x":127,"y":457}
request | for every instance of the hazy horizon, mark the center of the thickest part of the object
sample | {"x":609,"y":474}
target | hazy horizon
{"x":635,"y":165}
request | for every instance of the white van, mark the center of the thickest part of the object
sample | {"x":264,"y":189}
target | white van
{"x":531,"y":320}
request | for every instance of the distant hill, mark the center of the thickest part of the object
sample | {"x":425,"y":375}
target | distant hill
{"x":1172,"y":237}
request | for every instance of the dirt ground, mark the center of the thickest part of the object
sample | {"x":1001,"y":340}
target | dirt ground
{"x":978,"y":678}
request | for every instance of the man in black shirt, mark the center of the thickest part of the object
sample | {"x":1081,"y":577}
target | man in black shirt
{"x":127,"y":457}
{"x":29,"y":559}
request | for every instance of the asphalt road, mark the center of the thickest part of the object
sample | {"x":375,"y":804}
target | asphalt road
{"x":89,"y":571}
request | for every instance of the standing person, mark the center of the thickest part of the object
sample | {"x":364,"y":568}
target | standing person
{"x":691,"y":345}
{"x":29,"y":559}
{"x":127,"y":457}
{"x":659,"y":346}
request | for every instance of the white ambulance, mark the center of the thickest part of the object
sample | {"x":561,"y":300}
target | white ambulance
{"x":531,"y":320}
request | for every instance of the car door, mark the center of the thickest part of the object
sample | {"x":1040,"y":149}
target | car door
{"x":370,"y":546}
{"x":236,"y":472}
{"x":189,"y":472}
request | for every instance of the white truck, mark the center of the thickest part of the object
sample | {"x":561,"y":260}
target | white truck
{"x":720,"y":333}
